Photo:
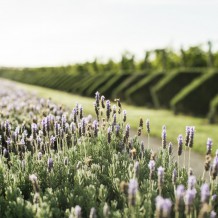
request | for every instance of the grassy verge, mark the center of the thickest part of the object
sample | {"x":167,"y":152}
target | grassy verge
{"x":175,"y":124}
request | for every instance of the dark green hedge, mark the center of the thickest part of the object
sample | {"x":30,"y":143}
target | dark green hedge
{"x":113,"y":82}
{"x":100,"y":81}
{"x":170,"y":85}
{"x":213,"y":111}
{"x":119,"y":91}
{"x":195,"y":98}
{"x":140,"y":94}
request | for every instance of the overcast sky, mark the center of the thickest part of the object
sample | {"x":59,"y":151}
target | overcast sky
{"x":56,"y":32}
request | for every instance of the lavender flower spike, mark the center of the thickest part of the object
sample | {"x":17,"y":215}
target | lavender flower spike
{"x":132,"y":190}
{"x":205,"y":193}
{"x":163,"y":207}
{"x":78,"y":211}
{"x":164,"y":136}
{"x":148,"y":126}
{"x":180,"y":143}
{"x":209,"y":145}
{"x":191,"y":137}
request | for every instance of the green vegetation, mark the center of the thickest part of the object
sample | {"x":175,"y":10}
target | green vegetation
{"x":175,"y":124}
{"x":195,"y":97}
{"x":213,"y":112}
{"x":56,"y":162}
{"x":139,"y":93}
{"x":119,"y":91}
{"x":171,"y":84}
{"x":114,"y":82}
{"x":163,"y":79}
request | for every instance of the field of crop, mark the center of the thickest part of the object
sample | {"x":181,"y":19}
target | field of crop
{"x":175,"y":124}
{"x":58,"y":161}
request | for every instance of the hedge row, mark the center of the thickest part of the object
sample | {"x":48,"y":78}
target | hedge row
{"x":213,"y":111}
{"x":119,"y":91}
{"x":170,"y":85}
{"x":140,"y":94}
{"x":187,"y":91}
{"x":195,"y":98}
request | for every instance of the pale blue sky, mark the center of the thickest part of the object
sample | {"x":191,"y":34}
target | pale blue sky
{"x":54,"y":32}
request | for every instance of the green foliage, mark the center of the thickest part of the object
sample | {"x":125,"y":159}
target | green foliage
{"x":194,"y":57}
{"x":119,"y":91}
{"x":113,"y":83}
{"x":213,"y":111}
{"x":195,"y":97}
{"x":94,"y":164}
{"x":139,"y":93}
{"x":170,"y":85}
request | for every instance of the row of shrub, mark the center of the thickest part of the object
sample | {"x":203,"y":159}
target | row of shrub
{"x":188,"y":91}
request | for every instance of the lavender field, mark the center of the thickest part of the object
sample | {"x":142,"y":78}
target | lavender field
{"x":60,"y":162}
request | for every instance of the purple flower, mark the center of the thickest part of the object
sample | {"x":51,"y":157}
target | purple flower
{"x":213,"y":214}
{"x":164,"y":136}
{"x":132,"y":190}
{"x":170,"y":148}
{"x":187,"y":130}
{"x":191,"y":182}
{"x":148,"y":126}
{"x":97,"y":99}
{"x":205,"y":193}
{"x":39,"y":155}
{"x":151,"y":165}
{"x":95,"y":127}
{"x":180,"y":143}
{"x":180,"y":191}
{"x":34,"y":128}
{"x":109,"y":134}
{"x":209,"y":145}
{"x":174,"y":176}
{"x":108,"y":109}
{"x":163,"y":207}
{"x":50,"y":164}
{"x":102,"y":101}
{"x":78,"y":211}
{"x":127,"y":131}
{"x":83,"y":126}
{"x":73,"y":128}
{"x":117,"y":129}
{"x":160,"y":173}
{"x":191,"y":136}
{"x":189,"y":197}
{"x":115,"y":119}
{"x":124,"y":116}
{"x":80,"y":112}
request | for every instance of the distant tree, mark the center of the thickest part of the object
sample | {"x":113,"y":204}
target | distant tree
{"x":145,"y":64}
{"x":195,"y":57}
{"x":127,"y":63}
{"x":111,"y":66}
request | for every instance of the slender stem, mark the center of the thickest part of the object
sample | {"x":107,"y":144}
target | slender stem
{"x":184,"y":157}
{"x":148,"y":141}
{"x":178,"y":166}
{"x":202,"y":178}
{"x":84,"y":144}
{"x":189,"y":157}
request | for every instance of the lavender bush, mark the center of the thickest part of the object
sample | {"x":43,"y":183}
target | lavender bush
{"x":59,"y":162}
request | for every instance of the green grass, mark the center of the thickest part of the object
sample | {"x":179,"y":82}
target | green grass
{"x":175,"y":124}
